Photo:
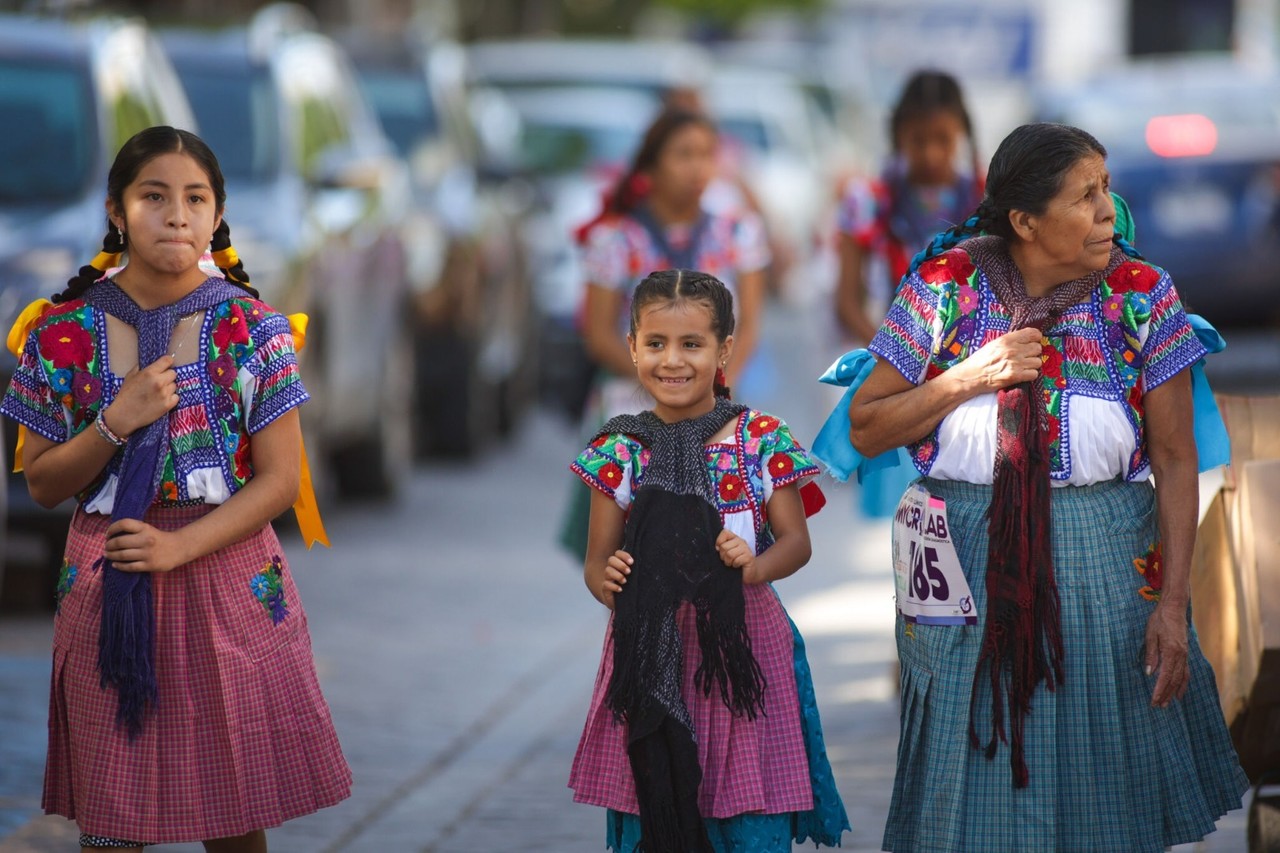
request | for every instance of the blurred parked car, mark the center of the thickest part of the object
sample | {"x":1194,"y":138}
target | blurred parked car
{"x":655,"y":67}
{"x":783,"y":146}
{"x":475,"y":331}
{"x":1194,"y":147}
{"x":316,"y":199}
{"x":71,"y":92}
{"x":573,"y":146}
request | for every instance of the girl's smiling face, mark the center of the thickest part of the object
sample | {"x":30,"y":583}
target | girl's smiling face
{"x":677,"y":354}
{"x":168,"y":214}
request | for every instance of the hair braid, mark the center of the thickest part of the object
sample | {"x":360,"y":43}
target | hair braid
{"x":113,"y":247}
{"x":224,"y":255}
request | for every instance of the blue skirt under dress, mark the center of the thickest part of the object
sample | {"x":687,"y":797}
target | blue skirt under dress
{"x":1109,"y":772}
{"x":768,"y":833}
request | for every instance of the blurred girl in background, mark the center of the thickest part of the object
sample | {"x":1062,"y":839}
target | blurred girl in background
{"x":884,"y":222}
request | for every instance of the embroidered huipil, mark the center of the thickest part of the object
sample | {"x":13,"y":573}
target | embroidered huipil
{"x":246,"y":377}
{"x":748,"y":765}
{"x":1100,"y":357}
{"x":619,"y":253}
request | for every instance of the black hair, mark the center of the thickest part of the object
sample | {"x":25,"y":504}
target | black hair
{"x":675,"y":285}
{"x":141,"y":148}
{"x":928,"y":92}
{"x":627,"y":194}
{"x":1026,"y":172}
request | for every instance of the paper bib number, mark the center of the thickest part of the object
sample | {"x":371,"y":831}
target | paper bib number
{"x":931,"y":587}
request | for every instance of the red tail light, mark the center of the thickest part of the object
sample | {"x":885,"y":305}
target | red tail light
{"x":1188,"y":135}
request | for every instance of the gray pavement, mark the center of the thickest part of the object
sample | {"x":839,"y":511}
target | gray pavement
{"x":458,"y":649}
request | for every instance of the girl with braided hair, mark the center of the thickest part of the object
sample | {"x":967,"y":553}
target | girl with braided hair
{"x":703,"y":732}
{"x":184,"y":705}
{"x":881,"y":223}
{"x":1040,"y":377}
{"x":655,"y":218}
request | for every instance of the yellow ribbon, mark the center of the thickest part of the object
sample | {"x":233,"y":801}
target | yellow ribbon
{"x":104,"y":261}
{"x":226,"y":259}
{"x":305,"y":508}
{"x":17,"y":340}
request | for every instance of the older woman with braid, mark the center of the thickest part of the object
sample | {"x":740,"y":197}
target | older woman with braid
{"x":1039,"y":376}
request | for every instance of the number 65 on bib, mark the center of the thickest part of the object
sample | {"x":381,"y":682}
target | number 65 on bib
{"x":931,"y":587}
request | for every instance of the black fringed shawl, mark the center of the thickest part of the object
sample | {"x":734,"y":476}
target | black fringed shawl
{"x":670,"y":533}
{"x":1022,"y":642}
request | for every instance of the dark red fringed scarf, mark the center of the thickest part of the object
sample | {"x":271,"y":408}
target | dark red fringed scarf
{"x":1022,"y":643}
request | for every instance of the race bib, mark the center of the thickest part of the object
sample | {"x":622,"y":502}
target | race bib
{"x":931,"y":587}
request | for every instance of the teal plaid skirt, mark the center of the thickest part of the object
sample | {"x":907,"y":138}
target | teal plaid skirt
{"x":1109,"y":772}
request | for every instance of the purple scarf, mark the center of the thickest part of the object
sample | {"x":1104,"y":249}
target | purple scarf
{"x":1022,"y":641}
{"x":126,"y":651}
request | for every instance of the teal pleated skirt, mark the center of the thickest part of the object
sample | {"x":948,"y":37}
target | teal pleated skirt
{"x":768,"y":833}
{"x":1109,"y":772}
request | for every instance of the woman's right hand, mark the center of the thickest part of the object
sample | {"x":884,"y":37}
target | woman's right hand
{"x":616,"y":569}
{"x":1008,"y":360}
{"x":145,"y":395}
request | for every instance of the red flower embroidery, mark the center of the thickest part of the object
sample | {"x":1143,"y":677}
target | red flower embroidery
{"x":170,"y":490}
{"x":761,"y":425}
{"x":611,"y":474}
{"x":66,"y":344}
{"x":1051,"y":363}
{"x":230,"y":330}
{"x":1132,"y":275}
{"x":241,"y":460}
{"x":954,"y":265}
{"x":1054,"y":429}
{"x":1151,"y":567}
{"x":222,"y":370}
{"x":600,"y":442}
{"x":781,"y":464}
{"x":730,"y":488}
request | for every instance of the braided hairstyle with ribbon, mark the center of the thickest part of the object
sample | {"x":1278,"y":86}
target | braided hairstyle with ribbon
{"x":142,"y":148}
{"x":1026,"y":171}
{"x":677,"y":285}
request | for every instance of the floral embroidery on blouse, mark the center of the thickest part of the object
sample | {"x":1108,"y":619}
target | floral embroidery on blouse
{"x":1151,"y":566}
{"x":66,"y":578}
{"x":1130,"y":337}
{"x":761,"y":457}
{"x":268,"y":587}
{"x":246,"y":377}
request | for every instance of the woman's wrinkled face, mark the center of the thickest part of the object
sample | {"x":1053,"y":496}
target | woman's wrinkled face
{"x":1074,"y":232}
{"x":928,"y":143}
{"x":685,"y":165}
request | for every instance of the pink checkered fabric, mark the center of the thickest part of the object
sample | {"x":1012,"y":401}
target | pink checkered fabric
{"x":748,"y":766}
{"x":241,"y":738}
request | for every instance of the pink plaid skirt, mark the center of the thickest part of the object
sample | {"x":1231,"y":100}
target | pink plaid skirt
{"x":748,"y":766}
{"x":240,"y":738}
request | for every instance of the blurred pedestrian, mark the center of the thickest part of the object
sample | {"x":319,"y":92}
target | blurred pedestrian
{"x":655,"y":219}
{"x":703,"y":732}
{"x":922,"y":190}
{"x":184,"y":705}
{"x":1040,"y":377}
{"x":882,"y":223}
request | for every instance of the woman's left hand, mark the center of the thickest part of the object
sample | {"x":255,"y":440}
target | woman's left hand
{"x":135,"y":546}
{"x":736,"y":554}
{"x":1167,"y":653}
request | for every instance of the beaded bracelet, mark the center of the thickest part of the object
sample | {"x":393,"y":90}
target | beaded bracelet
{"x":100,"y":424}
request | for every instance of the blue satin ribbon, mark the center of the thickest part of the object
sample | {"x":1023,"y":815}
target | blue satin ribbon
{"x":832,"y":446}
{"x":1212,"y":443}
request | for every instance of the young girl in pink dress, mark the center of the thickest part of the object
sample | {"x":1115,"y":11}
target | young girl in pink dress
{"x":703,"y":732}
{"x":184,"y":704}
